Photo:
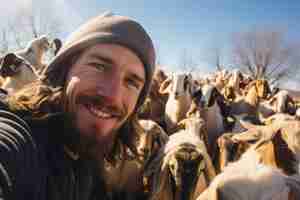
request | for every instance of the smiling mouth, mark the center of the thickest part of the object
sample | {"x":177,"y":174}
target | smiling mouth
{"x":100,"y":112}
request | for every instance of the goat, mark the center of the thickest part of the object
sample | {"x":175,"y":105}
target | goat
{"x":234,"y":80}
{"x":281,"y":102}
{"x":154,"y":105}
{"x":123,"y":176}
{"x":248,"y":179}
{"x":281,"y":143}
{"x":182,"y":169}
{"x":34,"y":52}
{"x":256,"y":90}
{"x":16,"y":72}
{"x":180,"y":89}
{"x":210,"y":106}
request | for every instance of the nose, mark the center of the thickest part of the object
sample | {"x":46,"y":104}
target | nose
{"x":202,"y":103}
{"x":112,"y":91}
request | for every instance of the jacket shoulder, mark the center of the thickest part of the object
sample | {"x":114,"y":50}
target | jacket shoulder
{"x":18,"y":156}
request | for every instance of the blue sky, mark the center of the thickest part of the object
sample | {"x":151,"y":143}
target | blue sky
{"x":190,"y":26}
{"x":196,"y":26}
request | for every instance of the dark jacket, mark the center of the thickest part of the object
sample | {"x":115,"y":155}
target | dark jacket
{"x":34,"y":164}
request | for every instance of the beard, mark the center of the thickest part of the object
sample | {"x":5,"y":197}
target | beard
{"x":90,"y":143}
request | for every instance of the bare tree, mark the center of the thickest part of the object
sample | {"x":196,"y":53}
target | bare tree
{"x":186,"y":62}
{"x":266,"y":54}
{"x":3,"y":41}
{"x":216,"y":57}
{"x":28,"y":23}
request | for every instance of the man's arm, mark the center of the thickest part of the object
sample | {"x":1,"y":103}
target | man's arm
{"x":18,"y":158}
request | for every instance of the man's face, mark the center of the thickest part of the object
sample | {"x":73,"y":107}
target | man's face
{"x":102,"y":90}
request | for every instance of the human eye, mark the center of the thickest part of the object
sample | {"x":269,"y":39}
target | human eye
{"x":134,"y":84}
{"x":98,"y":66}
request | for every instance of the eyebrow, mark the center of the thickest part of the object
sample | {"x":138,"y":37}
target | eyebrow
{"x":111,"y":62}
{"x":138,"y":78}
{"x":102,"y":58}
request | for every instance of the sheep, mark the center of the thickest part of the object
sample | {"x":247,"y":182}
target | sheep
{"x":123,"y":177}
{"x":182,"y":169}
{"x":34,"y":52}
{"x":248,"y":179}
{"x":16,"y":72}
{"x":180,"y":88}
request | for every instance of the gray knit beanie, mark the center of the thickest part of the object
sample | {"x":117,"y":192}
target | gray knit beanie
{"x":106,"y":28}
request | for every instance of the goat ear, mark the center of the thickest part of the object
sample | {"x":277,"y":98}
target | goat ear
{"x":284,"y":156}
{"x":210,"y":170}
{"x":164,"y":184}
{"x":165,"y":86}
{"x":272,"y":100}
{"x":57,"y":45}
{"x":290,"y":100}
{"x":6,"y":62}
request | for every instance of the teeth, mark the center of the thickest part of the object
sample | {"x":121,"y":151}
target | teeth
{"x":99,"y":113}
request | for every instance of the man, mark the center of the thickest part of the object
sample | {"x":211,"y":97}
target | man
{"x":77,"y":114}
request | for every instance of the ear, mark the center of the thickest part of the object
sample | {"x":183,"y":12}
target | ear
{"x":8,"y":66}
{"x":163,"y":188}
{"x":285,"y":158}
{"x":191,"y":84}
{"x":268,"y":88}
{"x":193,"y":108}
{"x":210,"y":170}
{"x":58,"y":44}
{"x":290,"y":100}
{"x":165,"y":86}
{"x":197,"y":94}
{"x":214,"y":95}
{"x":272,"y":100}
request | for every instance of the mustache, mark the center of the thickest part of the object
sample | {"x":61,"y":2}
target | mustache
{"x":101,"y":102}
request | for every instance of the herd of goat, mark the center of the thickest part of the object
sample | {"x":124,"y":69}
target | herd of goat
{"x":223,"y":137}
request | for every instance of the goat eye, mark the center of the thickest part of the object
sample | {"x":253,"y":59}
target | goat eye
{"x":172,"y":167}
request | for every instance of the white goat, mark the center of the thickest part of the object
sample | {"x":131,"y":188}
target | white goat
{"x":180,"y":89}
{"x":281,"y":102}
{"x":208,"y":105}
{"x":248,"y":179}
{"x":235,"y":78}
